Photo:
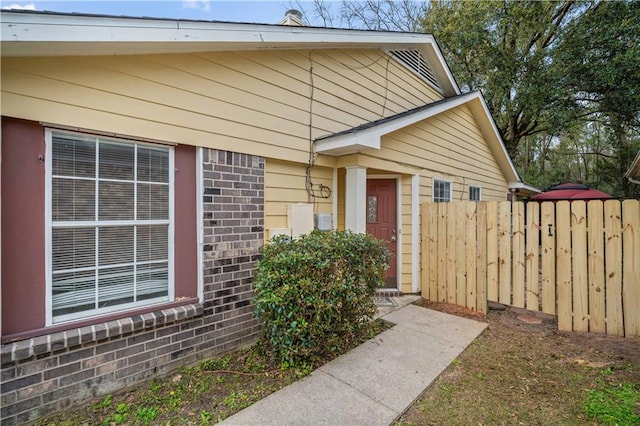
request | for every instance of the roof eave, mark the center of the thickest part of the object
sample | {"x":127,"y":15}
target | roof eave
{"x":522,"y":188}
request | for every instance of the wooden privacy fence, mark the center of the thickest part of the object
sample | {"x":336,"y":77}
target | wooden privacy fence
{"x":577,"y":260}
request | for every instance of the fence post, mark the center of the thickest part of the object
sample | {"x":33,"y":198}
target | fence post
{"x":631,"y":262}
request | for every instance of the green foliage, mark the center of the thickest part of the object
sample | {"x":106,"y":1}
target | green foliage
{"x":313,"y":293}
{"x":146,"y":415}
{"x":213,"y":364}
{"x":617,"y":405}
{"x":505,"y":49}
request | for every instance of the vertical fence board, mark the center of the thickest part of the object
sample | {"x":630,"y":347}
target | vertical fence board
{"x":579,"y":265}
{"x":492,"y":251}
{"x":425,"y":260}
{"x":613,"y":266}
{"x":451,"y":248}
{"x":481,"y":263}
{"x":517,"y":220}
{"x":461,"y":254}
{"x":432,"y":211}
{"x":563,"y":265}
{"x":548,"y":261}
{"x":443,"y":254}
{"x":631,"y":262}
{"x":471,"y":249}
{"x":504,"y":253}
{"x":532,"y":266}
{"x":595,"y":230}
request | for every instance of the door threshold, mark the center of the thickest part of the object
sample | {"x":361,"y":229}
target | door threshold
{"x":388,"y":292}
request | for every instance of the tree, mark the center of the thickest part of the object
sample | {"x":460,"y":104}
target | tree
{"x":388,"y":15}
{"x":504,"y":49}
{"x":599,"y":58}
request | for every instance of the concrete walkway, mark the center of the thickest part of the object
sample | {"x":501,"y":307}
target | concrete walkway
{"x":377,"y":381}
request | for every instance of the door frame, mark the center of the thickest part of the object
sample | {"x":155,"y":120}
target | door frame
{"x":398,"y":179}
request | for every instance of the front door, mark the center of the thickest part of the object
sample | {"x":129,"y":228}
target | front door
{"x":382,"y":221}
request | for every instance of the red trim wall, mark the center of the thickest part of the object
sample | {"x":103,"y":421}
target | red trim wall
{"x":23,"y":230}
{"x":186,"y":228}
{"x":23,"y":252}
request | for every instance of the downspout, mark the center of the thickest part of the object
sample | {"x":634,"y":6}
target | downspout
{"x":637,"y":182}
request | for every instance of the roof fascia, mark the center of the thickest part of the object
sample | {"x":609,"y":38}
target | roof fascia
{"x":525,"y":187}
{"x":634,"y":169}
{"x":494,"y":134}
{"x":441,"y":71}
{"x":24,"y":27}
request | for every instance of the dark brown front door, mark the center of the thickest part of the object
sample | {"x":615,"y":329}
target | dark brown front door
{"x":381,"y":219}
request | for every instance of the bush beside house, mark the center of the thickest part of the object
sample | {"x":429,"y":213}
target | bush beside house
{"x":314,"y":292}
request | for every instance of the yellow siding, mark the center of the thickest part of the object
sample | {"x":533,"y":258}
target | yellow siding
{"x":259,"y":103}
{"x":249,"y":102}
{"x":450,"y":147}
{"x":285,"y":185}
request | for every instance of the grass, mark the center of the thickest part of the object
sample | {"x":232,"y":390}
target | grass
{"x":615,"y":405}
{"x":201,"y":394}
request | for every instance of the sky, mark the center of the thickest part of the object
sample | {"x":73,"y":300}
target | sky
{"x":256,"y":11}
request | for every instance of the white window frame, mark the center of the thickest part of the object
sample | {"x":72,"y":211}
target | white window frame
{"x":91,"y":314}
{"x":433,"y":190}
{"x":479,"y":188}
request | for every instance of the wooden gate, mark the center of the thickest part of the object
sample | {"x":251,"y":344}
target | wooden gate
{"x":577,"y":260}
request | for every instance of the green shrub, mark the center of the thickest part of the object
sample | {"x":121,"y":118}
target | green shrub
{"x":314,"y":293}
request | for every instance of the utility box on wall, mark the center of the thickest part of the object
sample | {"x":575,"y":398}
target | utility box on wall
{"x":323,"y":222}
{"x":300,"y":219}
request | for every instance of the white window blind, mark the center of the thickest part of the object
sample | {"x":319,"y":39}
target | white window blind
{"x":441,"y":191}
{"x":110,"y":219}
{"x":474,"y":193}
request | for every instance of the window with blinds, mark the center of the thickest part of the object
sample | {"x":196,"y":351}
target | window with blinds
{"x":474,"y":193}
{"x":441,"y":191}
{"x":111,"y":214}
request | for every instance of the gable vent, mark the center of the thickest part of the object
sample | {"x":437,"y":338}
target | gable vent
{"x":414,"y":60}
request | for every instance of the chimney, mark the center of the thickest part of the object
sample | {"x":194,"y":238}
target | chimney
{"x":292,"y":17}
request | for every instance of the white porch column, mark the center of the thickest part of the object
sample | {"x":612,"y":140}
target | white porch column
{"x":356,"y":199}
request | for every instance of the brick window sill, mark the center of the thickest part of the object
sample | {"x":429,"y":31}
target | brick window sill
{"x":62,"y":340}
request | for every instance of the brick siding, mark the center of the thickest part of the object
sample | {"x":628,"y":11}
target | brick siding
{"x":47,"y":374}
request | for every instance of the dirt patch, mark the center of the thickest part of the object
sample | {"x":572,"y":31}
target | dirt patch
{"x":453,"y":309}
{"x":522,"y":373}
